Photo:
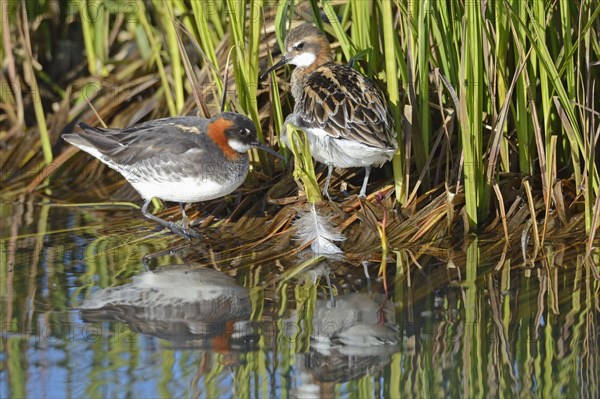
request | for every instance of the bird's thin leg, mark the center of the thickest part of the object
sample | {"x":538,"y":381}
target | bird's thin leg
{"x":363,"y":189}
{"x":146,"y":262}
{"x":186,"y":233}
{"x":184,"y":217}
{"x":169,"y":225}
{"x":331,"y":297}
{"x":326,"y":188}
{"x":365,"y":265}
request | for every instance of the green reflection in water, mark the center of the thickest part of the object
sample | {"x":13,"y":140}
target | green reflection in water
{"x":472,"y":322}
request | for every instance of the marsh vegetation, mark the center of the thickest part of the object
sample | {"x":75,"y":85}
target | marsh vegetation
{"x":483,"y":226}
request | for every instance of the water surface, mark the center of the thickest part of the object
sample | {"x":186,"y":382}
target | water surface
{"x":83,"y":317}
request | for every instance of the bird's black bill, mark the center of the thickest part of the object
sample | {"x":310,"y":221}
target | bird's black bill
{"x":270,"y":151}
{"x":280,"y":63}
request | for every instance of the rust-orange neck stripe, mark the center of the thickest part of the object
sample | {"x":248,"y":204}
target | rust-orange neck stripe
{"x":216,"y":131}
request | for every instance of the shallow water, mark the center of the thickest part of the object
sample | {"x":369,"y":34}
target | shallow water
{"x":82,"y":317}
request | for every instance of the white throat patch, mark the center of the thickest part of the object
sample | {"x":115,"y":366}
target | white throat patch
{"x":239,"y":146}
{"x":303,"y":60}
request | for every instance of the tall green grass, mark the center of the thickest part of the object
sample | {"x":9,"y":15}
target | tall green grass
{"x":478,"y":50}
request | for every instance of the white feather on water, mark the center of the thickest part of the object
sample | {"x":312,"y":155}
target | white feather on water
{"x":317,"y":230}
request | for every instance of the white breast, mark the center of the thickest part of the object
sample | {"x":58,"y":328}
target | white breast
{"x":344,"y":153}
{"x":188,"y":189}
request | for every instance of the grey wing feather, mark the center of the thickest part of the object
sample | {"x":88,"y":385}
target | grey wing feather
{"x":145,"y":141}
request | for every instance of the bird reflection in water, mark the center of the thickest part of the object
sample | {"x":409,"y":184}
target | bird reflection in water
{"x":352,"y":337}
{"x":190,"y":307}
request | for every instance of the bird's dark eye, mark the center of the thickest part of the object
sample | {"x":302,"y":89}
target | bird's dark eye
{"x":300,"y":45}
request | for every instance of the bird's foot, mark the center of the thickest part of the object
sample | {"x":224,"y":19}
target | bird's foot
{"x":329,"y":197}
{"x":335,"y":198}
{"x":183,"y":231}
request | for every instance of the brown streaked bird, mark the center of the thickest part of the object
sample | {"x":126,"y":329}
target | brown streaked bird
{"x":180,"y":159}
{"x":343,"y":113}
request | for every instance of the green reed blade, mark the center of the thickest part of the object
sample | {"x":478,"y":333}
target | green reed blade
{"x":166,"y":11}
{"x":393,"y":91}
{"x":540,"y":13}
{"x":205,"y":39}
{"x":284,"y":9}
{"x":87,"y":28}
{"x":361,"y":25}
{"x":314,"y":5}
{"x":525,"y":138}
{"x":470,"y":114}
{"x":37,"y":100}
{"x":254,"y":40}
{"x":502,"y":31}
{"x":277,"y":112}
{"x":156,"y":48}
{"x":421,"y":140}
{"x":304,"y":169}
{"x":567,"y":41}
{"x":338,"y":30}
{"x":100,"y":23}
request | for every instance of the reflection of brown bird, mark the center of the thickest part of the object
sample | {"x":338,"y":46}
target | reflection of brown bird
{"x":189,"y":307}
{"x":343,"y":113}
{"x":357,"y":324}
{"x":354,"y":337}
{"x":181,"y":159}
{"x":358,"y":321}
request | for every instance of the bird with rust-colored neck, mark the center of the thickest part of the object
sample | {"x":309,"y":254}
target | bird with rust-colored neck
{"x":180,"y":159}
{"x":343,"y":113}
